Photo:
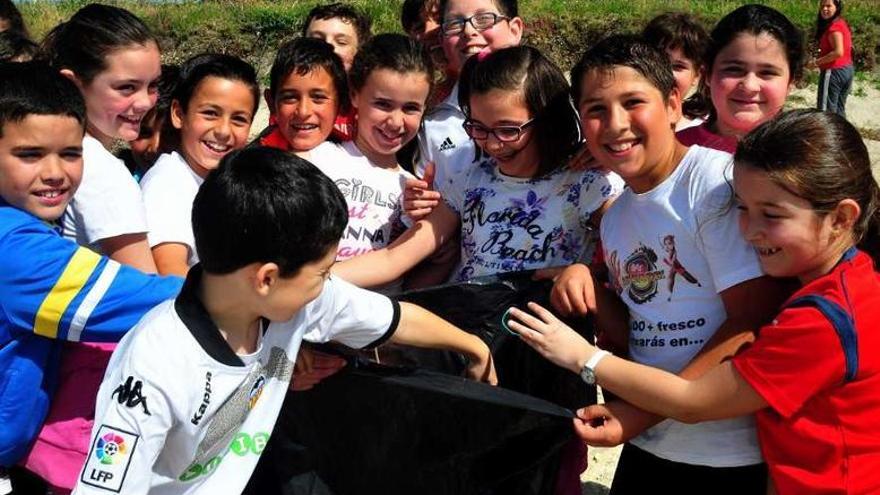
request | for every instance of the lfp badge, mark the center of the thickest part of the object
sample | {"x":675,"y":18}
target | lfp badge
{"x":109,"y":458}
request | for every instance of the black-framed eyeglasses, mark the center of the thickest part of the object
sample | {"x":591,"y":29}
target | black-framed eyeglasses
{"x":503,"y":133}
{"x":481,"y":22}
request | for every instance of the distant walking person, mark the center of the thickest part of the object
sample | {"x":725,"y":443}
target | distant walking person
{"x":835,"y":57}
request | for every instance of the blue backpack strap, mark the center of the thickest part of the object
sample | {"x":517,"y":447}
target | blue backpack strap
{"x":843,"y":324}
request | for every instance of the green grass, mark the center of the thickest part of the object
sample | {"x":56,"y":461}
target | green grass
{"x":253,"y":29}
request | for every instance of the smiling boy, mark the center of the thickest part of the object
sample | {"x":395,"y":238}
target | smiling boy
{"x":52,"y":289}
{"x":677,"y":196}
{"x":468,"y":27}
{"x":194,"y":417}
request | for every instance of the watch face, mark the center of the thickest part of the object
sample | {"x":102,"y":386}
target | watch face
{"x":588,"y":376}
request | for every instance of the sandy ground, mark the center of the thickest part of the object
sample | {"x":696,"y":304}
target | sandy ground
{"x":863,"y":109}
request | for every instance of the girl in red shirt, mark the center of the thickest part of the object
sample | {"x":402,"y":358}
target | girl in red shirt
{"x":835,"y":57}
{"x":812,"y":376}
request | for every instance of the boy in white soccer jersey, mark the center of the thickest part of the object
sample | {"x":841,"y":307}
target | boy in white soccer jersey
{"x":192,"y":393}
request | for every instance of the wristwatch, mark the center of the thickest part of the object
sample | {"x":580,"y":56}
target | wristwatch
{"x":588,"y":372}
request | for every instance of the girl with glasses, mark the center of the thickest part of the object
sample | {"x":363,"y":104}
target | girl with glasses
{"x":520,"y":208}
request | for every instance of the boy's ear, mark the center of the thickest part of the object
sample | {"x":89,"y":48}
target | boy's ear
{"x":176,"y":114}
{"x":265,"y":278}
{"x":845,"y":215}
{"x":517,"y":28}
{"x":673,"y":106}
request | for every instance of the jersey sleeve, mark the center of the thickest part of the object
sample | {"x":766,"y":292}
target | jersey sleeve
{"x":62,"y":291}
{"x":731,"y":259}
{"x":132,"y":419}
{"x":352,"y":316}
{"x":597,"y":187}
{"x":793,"y":359}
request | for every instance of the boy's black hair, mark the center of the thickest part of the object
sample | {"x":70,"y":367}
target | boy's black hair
{"x":199,"y":67}
{"x":758,"y":19}
{"x":391,"y":51}
{"x":822,"y":25}
{"x":264,"y":205}
{"x":361,"y":22}
{"x":9,"y":12}
{"x":83,"y":43}
{"x":16,"y":47}
{"x":624,"y":50}
{"x":510,"y":8}
{"x":304,"y":55}
{"x":546,"y":93}
{"x":35,"y":88}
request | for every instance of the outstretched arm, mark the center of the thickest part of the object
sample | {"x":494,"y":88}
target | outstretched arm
{"x":390,"y":263}
{"x":420,"y":328}
{"x":720,"y":393}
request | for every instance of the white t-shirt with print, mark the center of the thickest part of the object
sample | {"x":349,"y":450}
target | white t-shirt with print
{"x":670,"y":252}
{"x":373,"y":194}
{"x":442,"y":140}
{"x":108,"y":202}
{"x":179,"y":413}
{"x":169,"y":188}
{"x":512,"y":224}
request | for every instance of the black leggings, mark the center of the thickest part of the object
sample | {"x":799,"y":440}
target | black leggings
{"x":640,"y":472}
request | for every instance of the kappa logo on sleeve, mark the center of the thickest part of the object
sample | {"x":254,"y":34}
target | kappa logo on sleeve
{"x":130,"y":394}
{"x":109,"y":458}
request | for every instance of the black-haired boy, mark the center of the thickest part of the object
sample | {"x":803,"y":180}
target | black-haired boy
{"x":52,"y":290}
{"x":266,"y":226}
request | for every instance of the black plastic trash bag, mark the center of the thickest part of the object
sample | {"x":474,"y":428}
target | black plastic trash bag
{"x":383,"y":430}
{"x":401,"y":429}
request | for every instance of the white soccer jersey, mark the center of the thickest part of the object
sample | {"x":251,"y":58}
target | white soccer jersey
{"x":180,"y":413}
{"x":670,"y":252}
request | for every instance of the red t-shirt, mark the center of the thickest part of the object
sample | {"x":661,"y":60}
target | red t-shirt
{"x":821,"y":434}
{"x":700,"y":135}
{"x":838,"y":26}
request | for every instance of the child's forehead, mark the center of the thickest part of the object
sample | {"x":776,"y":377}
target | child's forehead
{"x":620,"y":78}
{"x":36,"y":128}
{"x":316,"y":75}
{"x":469,"y":6}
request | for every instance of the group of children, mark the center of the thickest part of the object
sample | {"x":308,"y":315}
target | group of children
{"x":394,"y":161}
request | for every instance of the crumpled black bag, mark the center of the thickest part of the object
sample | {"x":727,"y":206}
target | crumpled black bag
{"x":417,"y":427}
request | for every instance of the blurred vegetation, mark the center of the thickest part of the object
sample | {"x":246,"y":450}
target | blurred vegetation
{"x":252,"y":29}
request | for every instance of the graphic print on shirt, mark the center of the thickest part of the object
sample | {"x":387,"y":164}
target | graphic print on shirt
{"x":675,"y":267}
{"x":108,"y":460}
{"x":373,"y":217}
{"x":639,"y":275}
{"x":516,"y":236}
{"x":224,"y":425}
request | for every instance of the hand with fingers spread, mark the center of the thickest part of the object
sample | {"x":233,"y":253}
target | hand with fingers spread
{"x":553,"y":339}
{"x":573,"y":292}
{"x":419,"y":196}
{"x":311,"y":367}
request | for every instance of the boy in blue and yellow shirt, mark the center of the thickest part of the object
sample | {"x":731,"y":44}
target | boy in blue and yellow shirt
{"x":51,"y":290}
